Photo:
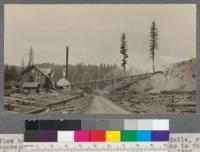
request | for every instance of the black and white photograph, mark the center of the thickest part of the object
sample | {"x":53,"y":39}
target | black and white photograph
{"x":100,"y":59}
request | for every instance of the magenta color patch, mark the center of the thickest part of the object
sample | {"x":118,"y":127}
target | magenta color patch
{"x":81,"y":136}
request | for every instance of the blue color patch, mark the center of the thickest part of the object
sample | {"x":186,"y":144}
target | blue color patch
{"x":143,"y":135}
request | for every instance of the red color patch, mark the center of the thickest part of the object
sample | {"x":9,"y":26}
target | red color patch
{"x":98,"y":136}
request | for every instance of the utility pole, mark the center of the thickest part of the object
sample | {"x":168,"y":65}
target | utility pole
{"x":67,"y":56}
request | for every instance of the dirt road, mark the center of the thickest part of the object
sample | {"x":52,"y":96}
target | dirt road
{"x":101,"y":105}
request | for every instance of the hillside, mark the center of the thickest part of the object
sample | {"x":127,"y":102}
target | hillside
{"x":178,"y":77}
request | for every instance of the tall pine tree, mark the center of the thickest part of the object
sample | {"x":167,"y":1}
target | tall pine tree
{"x":123,"y":51}
{"x":153,"y":45}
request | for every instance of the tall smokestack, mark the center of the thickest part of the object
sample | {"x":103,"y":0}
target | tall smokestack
{"x":66,"y":70}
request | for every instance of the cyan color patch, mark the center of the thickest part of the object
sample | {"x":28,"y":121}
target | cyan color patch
{"x":143,"y":135}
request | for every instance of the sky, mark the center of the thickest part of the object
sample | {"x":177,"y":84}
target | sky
{"x":93,"y":31}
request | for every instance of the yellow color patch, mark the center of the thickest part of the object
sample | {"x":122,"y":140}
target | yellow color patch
{"x":113,"y":136}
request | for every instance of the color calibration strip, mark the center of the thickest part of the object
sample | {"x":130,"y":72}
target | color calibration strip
{"x":144,"y":130}
{"x":96,"y":136}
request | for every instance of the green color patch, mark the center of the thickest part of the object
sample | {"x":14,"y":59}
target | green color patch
{"x":128,"y":135}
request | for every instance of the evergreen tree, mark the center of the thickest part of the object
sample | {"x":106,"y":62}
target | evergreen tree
{"x":123,"y":51}
{"x":153,"y":45}
{"x":6,"y":73}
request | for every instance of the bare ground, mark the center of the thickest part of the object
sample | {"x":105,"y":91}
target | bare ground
{"x":101,"y":105}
